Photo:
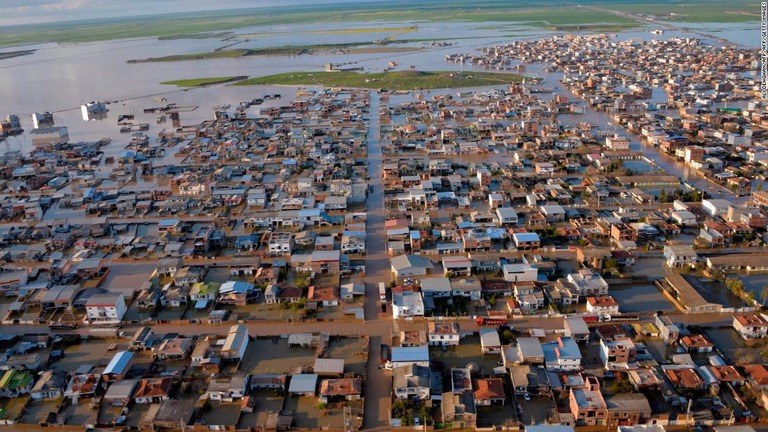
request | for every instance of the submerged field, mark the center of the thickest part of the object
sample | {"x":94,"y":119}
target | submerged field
{"x":563,"y":14}
{"x":400,"y":80}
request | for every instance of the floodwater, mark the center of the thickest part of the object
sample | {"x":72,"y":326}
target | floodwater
{"x":59,"y":78}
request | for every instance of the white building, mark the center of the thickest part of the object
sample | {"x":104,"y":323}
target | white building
{"x":715,"y":207}
{"x":751,"y":326}
{"x":105,"y":308}
{"x":684,"y":217}
{"x":236,"y":342}
{"x":520,"y":272}
{"x":604,"y":305}
{"x":443,"y":333}
{"x":490,"y":342}
{"x":41,"y":120}
{"x":507,"y":215}
{"x":93,"y":110}
{"x":407,"y":304}
{"x":562,"y":355}
{"x":588,"y":283}
{"x":680,"y":255}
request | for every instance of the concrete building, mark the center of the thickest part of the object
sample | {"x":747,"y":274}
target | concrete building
{"x":105,"y":308}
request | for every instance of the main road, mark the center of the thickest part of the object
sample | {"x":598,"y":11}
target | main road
{"x":378,"y":384}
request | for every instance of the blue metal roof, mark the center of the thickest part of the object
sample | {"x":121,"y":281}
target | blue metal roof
{"x":119,"y":363}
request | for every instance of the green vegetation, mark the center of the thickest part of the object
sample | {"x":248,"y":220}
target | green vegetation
{"x":399,"y":80}
{"x":273,"y":51}
{"x":197,"y":82}
{"x":692,"y":195}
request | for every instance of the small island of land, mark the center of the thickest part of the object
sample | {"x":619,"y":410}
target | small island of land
{"x":343,"y":48}
{"x":398,"y":80}
{"x":200,"y":82}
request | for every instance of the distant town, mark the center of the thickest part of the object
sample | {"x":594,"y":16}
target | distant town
{"x":541,"y":255}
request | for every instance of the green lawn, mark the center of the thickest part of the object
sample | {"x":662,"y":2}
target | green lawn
{"x":196,"y":82}
{"x":399,"y":80}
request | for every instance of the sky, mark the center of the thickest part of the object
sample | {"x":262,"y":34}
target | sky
{"x":46,"y":11}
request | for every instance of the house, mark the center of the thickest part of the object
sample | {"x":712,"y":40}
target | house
{"x":228,"y":389}
{"x":187,"y":276}
{"x":627,"y":409}
{"x":402,"y":356}
{"x":118,"y":367}
{"x":507,"y":216}
{"x":204,"y":291}
{"x":553,"y":213}
{"x":407,"y":304}
{"x":272,"y":294}
{"x":268,"y":382}
{"x":530,"y":379}
{"x":489,"y":391}
{"x":587,"y":404}
{"x":436,"y":287}
{"x":50,"y":385}
{"x":470,"y":288}
{"x":696,"y":343}
{"x":236,"y":293}
{"x":412,"y":380}
{"x":325,"y":261}
{"x":645,"y":379}
{"x":587,"y":283}
{"x":684,"y":218}
{"x":443,"y":333}
{"x":459,"y":409}
{"x":410,"y":266}
{"x":751,"y":326}
{"x":105,"y":308}
{"x":604,"y":305}
{"x":351,"y":290}
{"x":526,"y":240}
{"x":490,"y":343}
{"x":670,"y":332}
{"x":576,"y":328}
{"x":528,"y":351}
{"x":339,"y":389}
{"x":236,"y":343}
{"x":327,"y":296}
{"x":757,"y":376}
{"x":680,"y":255}
{"x":173,"y":412}
{"x":519,"y":272}
{"x":176,"y":348}
{"x":562,"y":355}
{"x":15,"y":383}
{"x":617,"y":353}
{"x":684,"y":377}
{"x":303,"y":385}
{"x":151,"y":390}
{"x":167,"y":267}
{"x":715,"y":207}
{"x":353,"y":242}
{"x":457,"y":266}
{"x":121,"y":393}
{"x":329,"y":367}
{"x":141,"y":339}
